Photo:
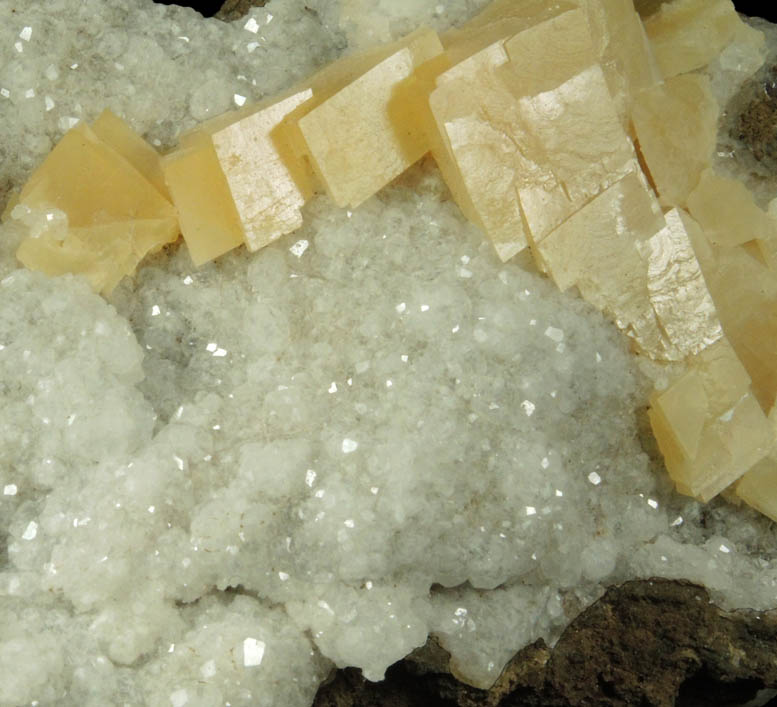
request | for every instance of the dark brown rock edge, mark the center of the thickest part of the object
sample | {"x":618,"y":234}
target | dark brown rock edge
{"x":647,"y":642}
{"x":235,"y":9}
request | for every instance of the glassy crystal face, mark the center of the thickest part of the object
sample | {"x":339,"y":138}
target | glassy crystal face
{"x":352,"y":143}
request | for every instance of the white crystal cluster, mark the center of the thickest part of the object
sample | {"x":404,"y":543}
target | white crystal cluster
{"x":226,"y":481}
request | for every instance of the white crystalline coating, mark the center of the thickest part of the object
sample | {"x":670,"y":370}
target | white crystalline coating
{"x":10,"y":490}
{"x":208,"y":669}
{"x":213,"y":409}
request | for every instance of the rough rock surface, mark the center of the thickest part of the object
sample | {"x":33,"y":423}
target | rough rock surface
{"x":646,"y":642}
{"x":756,"y":124}
{"x":235,"y":9}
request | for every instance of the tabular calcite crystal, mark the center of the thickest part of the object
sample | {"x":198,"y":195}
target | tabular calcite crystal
{"x":499,"y":20}
{"x":113,"y":131}
{"x":209,"y":220}
{"x":739,"y":267}
{"x":727,"y":212}
{"x":268,"y":186}
{"x":708,"y":424}
{"x":758,"y":487}
{"x":479,"y":152}
{"x":623,"y":50}
{"x":676,"y":126}
{"x":513,"y":124}
{"x":115,"y":215}
{"x":244,"y":176}
{"x":639,"y":266}
{"x":688,"y":34}
{"x":354,"y":146}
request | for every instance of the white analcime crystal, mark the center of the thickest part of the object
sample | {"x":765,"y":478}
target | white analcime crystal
{"x":226,"y":481}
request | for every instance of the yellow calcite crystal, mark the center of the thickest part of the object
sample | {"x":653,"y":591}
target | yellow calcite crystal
{"x":209,"y":220}
{"x":678,"y":292}
{"x":758,"y":487}
{"x":479,"y":152}
{"x":358,"y":116}
{"x":675,"y":124}
{"x":596,"y":250}
{"x":688,"y":34}
{"x":739,"y":266}
{"x":513,"y":123}
{"x":268,"y":185}
{"x":92,"y":183}
{"x":727,"y":212}
{"x":708,"y":424}
{"x":587,"y":149}
{"x":113,"y":131}
{"x":639,"y":267}
{"x":115,"y":215}
{"x":623,"y":50}
{"x":500,"y":20}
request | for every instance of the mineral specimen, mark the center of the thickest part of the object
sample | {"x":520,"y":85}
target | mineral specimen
{"x":675,"y":124}
{"x":370,"y":429}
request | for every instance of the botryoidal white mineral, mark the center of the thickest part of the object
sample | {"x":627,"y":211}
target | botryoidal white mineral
{"x":225,"y":482}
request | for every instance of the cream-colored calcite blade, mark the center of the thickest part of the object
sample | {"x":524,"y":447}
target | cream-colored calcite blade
{"x":637,"y":266}
{"x":546,"y":55}
{"x":497,"y":21}
{"x":684,"y":409}
{"x":758,"y":487}
{"x":115,"y":215}
{"x":484,"y":146}
{"x":735,"y":434}
{"x":357,"y":116}
{"x":688,"y":34}
{"x":515,"y":122}
{"x":677,"y":289}
{"x":623,"y":50}
{"x":579,"y":129}
{"x":92,"y":183}
{"x":727,"y":212}
{"x":744,"y":290}
{"x":676,"y":124}
{"x":596,"y":249}
{"x":207,"y":214}
{"x":113,"y":131}
{"x":267,"y":191}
